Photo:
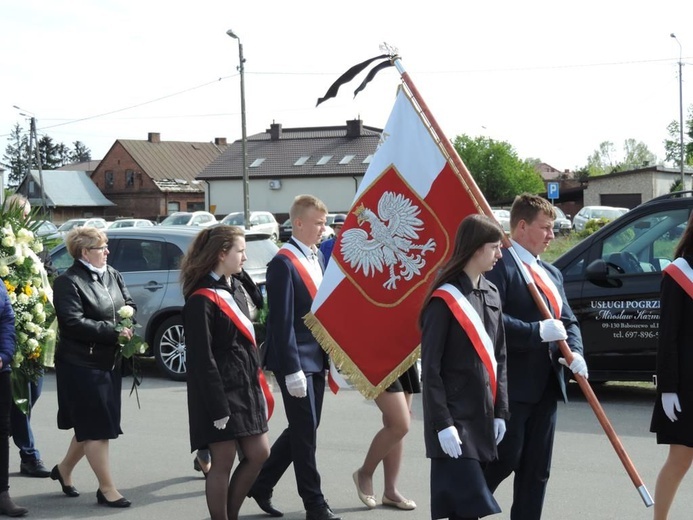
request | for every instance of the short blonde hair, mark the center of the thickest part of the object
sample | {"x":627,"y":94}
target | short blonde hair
{"x":304,"y":202}
{"x":84,"y":237}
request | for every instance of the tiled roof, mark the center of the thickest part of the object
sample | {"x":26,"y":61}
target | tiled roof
{"x":69,"y":188}
{"x":173,"y":165}
{"x":280,"y":155}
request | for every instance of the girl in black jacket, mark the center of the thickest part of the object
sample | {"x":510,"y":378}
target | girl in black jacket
{"x":465,"y":399}
{"x":228,"y":400}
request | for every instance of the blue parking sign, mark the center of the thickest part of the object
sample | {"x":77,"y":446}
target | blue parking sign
{"x":552,"y":190}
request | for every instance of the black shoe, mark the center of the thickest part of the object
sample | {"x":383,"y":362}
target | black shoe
{"x":121,"y":502}
{"x":70,"y":491}
{"x":34,"y":468}
{"x":321,"y":513}
{"x":265,"y":503}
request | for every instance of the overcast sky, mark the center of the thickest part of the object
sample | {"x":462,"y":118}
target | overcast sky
{"x":553,"y":79}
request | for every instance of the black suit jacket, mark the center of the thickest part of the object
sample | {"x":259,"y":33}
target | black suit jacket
{"x":530,"y":362}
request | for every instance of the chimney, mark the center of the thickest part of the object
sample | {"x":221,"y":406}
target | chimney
{"x":220,"y":141}
{"x":354,"y":128}
{"x":275,"y":131}
{"x":154,"y":137}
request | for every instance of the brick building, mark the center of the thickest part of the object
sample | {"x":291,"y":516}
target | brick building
{"x":153,"y":178}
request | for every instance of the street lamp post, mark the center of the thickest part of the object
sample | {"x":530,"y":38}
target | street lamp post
{"x":244,"y":139}
{"x":682,"y":151}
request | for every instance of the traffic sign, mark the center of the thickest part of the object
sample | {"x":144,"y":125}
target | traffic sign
{"x":552,"y":190}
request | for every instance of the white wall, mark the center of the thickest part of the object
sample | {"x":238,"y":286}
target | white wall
{"x":336,"y":192}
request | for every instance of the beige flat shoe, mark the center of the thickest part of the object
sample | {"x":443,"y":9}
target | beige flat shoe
{"x":369,"y":500}
{"x":405,"y":504}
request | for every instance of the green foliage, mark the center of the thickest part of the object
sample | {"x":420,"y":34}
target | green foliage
{"x":560,"y":245}
{"x":496,"y":168}
{"x":605,"y":160}
{"x":18,"y":158}
{"x":592,"y":226}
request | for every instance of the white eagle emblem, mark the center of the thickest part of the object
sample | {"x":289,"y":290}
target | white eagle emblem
{"x":389,"y":245}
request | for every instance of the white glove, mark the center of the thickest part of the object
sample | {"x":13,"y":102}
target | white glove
{"x":220,"y":424}
{"x":578,"y":366}
{"x":296,"y":384}
{"x":552,"y":330}
{"x":671,"y":405}
{"x":450,"y":442}
{"x":498,"y":430}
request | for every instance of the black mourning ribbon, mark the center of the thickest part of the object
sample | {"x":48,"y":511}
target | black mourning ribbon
{"x":353,"y":72}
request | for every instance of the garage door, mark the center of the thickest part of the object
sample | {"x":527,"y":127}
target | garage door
{"x":621,"y":200}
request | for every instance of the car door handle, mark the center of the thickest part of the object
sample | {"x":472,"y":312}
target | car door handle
{"x":154,"y":286}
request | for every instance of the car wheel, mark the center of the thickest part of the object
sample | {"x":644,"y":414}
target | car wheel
{"x":169,"y":348}
{"x":274,"y":237}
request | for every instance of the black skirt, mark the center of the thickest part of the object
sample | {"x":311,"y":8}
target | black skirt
{"x":458,"y":489}
{"x":88,"y":401}
{"x":409,"y":382}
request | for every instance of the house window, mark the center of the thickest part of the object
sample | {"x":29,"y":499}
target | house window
{"x":196,"y":206}
{"x":32,"y":188}
{"x":257,"y":162}
{"x":368,"y":159}
{"x":129,"y":178}
{"x":324,"y":160}
{"x":109,"y":179}
{"x":346,"y":159}
{"x":172,"y":207}
{"x":302,"y":160}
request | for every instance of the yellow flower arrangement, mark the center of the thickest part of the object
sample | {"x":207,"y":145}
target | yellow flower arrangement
{"x":20,"y":267}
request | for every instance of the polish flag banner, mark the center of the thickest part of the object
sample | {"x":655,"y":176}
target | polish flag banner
{"x":398,"y":233}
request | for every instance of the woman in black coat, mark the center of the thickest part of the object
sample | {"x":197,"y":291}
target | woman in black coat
{"x":87,"y":299}
{"x":672,"y":418}
{"x":465,"y":400}
{"x":228,"y":399}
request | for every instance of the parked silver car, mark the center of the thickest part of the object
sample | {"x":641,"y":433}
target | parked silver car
{"x":149,"y":260}
{"x":262,"y":221}
{"x":588,"y":213}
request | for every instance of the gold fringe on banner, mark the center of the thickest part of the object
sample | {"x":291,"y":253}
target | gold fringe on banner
{"x":348,"y":368}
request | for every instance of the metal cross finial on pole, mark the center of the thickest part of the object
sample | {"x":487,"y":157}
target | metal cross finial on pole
{"x":682,"y":152}
{"x":244,"y":139}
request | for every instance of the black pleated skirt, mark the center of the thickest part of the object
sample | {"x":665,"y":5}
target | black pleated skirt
{"x":458,"y":488}
{"x":409,"y":382}
{"x":88,"y":401}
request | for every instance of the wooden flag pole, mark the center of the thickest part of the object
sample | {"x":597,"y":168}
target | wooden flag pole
{"x":484,"y":207}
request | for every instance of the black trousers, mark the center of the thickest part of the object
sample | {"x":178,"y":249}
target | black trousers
{"x":526,"y":450}
{"x":297,"y":444}
{"x":5,"y":405}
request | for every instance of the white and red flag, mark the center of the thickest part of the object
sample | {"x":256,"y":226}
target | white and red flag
{"x":399,"y":231}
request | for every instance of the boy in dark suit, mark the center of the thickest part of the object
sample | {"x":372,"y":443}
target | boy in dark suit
{"x":535,"y":374}
{"x":297,"y":360}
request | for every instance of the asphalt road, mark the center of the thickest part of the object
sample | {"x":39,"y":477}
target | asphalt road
{"x":152,"y":464}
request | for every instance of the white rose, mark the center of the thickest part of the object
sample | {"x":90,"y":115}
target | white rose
{"x":8,"y":241}
{"x":22,"y":337}
{"x":4,"y":270}
{"x":13,"y":298}
{"x":37,"y":246}
{"x":7,"y":231}
{"x":50,"y":334}
{"x":23,"y":299}
{"x":38,"y":308}
{"x":126,"y":312}
{"x":32,"y":343}
{"x":35,"y":269}
{"x":19,"y":260}
{"x":26,"y":316}
{"x":40,"y":317}
{"x":25,"y":236}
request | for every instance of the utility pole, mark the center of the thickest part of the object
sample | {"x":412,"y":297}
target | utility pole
{"x":682,"y":151}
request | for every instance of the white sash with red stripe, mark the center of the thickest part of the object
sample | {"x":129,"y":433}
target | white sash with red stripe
{"x":546,"y":285}
{"x":308,"y":274}
{"x":228,"y":306}
{"x":303,"y":267}
{"x":680,"y":270}
{"x":471,"y":322}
